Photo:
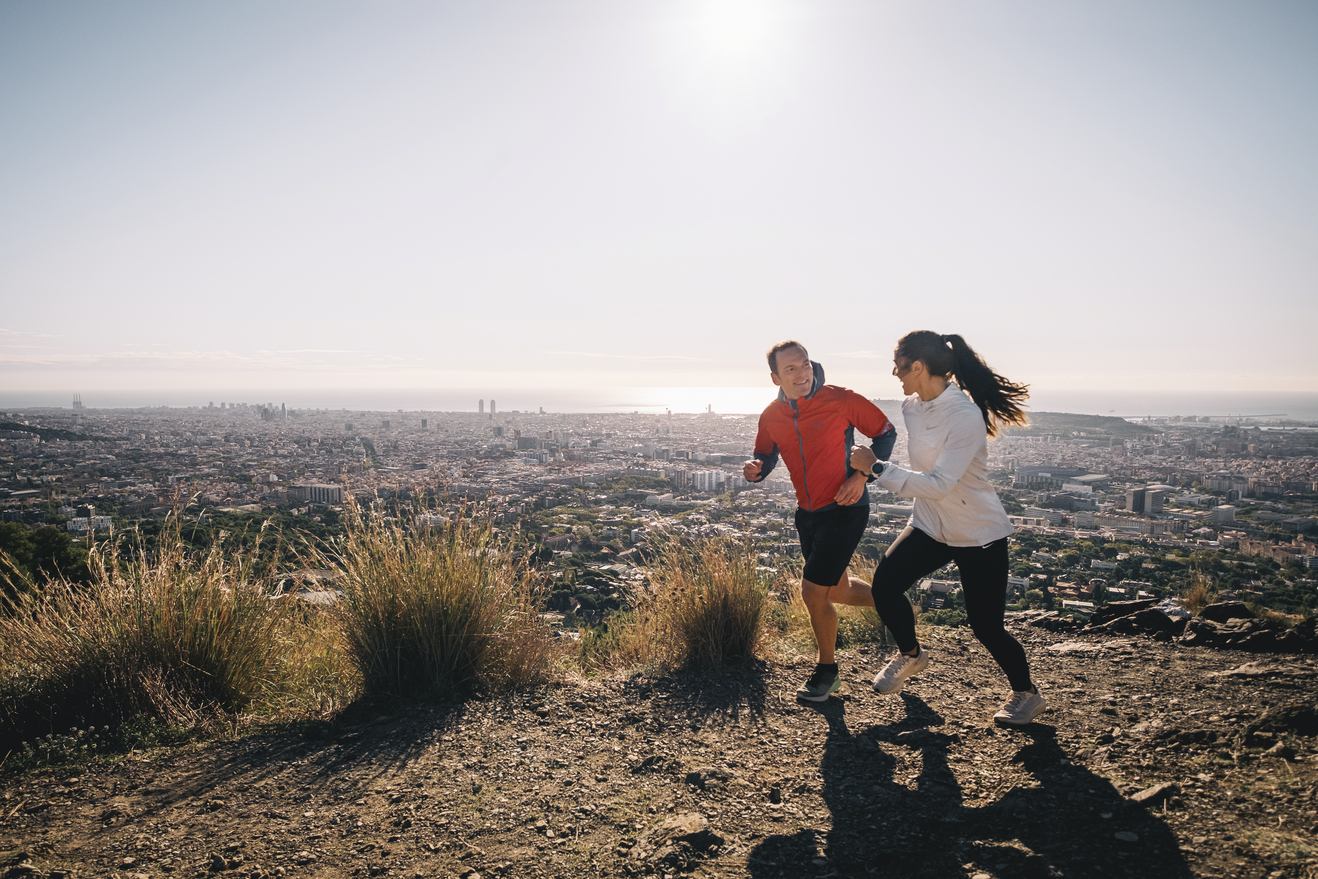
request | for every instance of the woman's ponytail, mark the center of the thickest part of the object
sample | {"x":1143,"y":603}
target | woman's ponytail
{"x":998,"y":399}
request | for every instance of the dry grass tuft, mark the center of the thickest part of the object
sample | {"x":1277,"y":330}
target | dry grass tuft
{"x":1199,"y":594}
{"x":704,"y":607}
{"x":435,"y":612}
{"x":165,"y":638}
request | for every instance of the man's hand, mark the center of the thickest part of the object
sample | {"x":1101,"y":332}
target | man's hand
{"x":862,"y":458}
{"x":852,"y":490}
{"x":751,"y":469}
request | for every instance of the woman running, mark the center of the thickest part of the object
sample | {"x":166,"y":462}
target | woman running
{"x":957,"y":517}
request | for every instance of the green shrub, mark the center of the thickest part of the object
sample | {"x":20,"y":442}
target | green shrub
{"x":438,"y":611}
{"x":71,"y":748}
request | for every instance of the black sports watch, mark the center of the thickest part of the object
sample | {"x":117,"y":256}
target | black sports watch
{"x":876,"y":468}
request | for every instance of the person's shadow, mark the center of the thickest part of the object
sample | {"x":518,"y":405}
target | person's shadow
{"x":897,"y":809}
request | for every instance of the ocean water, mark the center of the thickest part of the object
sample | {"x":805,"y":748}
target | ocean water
{"x":652,"y":400}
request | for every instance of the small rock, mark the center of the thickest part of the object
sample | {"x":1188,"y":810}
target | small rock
{"x":1159,"y":793}
{"x":1226,"y":611}
{"x":1127,"y":836}
{"x":1281,"y":750}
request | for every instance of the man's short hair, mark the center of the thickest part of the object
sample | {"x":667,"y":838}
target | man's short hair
{"x":783,"y":346}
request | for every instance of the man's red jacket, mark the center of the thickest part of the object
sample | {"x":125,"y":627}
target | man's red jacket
{"x":814,"y":435}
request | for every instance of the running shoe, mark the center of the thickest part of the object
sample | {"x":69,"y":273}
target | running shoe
{"x":823,"y":683}
{"x":1021,"y":708}
{"x":892,"y":677}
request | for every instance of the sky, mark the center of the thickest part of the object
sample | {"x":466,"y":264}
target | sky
{"x":1099,"y":196}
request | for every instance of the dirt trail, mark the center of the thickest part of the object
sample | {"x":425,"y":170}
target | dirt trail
{"x":729,"y":776}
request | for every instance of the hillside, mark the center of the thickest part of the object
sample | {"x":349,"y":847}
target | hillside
{"x":1070,"y":424}
{"x":729,"y":776}
{"x":1055,"y":423}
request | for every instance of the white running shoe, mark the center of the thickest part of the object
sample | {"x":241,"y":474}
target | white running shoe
{"x":1021,"y":708}
{"x":892,"y":677}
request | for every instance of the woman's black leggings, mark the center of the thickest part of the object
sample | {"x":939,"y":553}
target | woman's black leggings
{"x":984,"y":572}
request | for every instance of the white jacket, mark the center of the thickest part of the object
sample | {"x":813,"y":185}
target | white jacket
{"x":947,"y":445}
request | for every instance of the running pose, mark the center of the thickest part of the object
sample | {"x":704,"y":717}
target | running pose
{"x":957,"y":517}
{"x":813,"y":426}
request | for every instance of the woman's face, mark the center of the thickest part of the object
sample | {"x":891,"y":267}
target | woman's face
{"x":905,"y":370}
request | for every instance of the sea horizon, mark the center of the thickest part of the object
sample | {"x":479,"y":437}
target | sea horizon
{"x":1295,"y":406}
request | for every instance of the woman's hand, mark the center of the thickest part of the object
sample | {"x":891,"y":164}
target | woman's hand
{"x":862,"y":459}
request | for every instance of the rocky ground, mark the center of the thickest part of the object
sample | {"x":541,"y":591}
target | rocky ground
{"x":1156,"y":759}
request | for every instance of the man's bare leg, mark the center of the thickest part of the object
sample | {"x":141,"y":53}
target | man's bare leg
{"x":820,"y":601}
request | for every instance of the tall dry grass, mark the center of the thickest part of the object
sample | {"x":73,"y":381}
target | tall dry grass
{"x":704,"y":607}
{"x":789,"y":620}
{"x":1199,"y":593}
{"x":168,"y":638}
{"x":438,"y":611}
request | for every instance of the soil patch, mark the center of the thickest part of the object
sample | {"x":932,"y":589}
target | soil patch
{"x":1154,"y":760}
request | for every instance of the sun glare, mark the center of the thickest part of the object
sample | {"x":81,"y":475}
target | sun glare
{"x":729,"y":59}
{"x":736,"y":35}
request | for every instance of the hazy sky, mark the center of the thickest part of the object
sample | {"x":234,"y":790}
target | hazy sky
{"x":562,"y":194}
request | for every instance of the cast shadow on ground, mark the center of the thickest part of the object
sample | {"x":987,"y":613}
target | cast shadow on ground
{"x":723,"y":696}
{"x":363,"y":738}
{"x":886,"y":819}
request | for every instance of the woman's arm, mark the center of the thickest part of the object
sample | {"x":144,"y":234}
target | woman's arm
{"x":965,"y":435}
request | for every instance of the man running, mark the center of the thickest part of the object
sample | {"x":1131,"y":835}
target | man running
{"x":812,"y":426}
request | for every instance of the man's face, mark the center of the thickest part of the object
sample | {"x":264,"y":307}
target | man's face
{"x":795,"y":375}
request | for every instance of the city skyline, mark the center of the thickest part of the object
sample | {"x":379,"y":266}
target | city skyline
{"x":510,"y":196}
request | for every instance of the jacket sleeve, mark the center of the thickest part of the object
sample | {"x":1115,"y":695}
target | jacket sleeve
{"x":871,"y":421}
{"x":883,"y":443}
{"x":964,"y":437}
{"x":766,"y":451}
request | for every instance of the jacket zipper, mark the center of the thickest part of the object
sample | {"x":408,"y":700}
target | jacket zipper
{"x":800,"y":445}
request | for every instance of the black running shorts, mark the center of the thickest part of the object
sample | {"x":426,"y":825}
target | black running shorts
{"x":828,"y":538}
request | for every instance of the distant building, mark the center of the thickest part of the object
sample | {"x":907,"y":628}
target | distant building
{"x":708,"y":480}
{"x":939,"y":587}
{"x":1053,"y":517}
{"x":1135,"y":500}
{"x":316,"y":494}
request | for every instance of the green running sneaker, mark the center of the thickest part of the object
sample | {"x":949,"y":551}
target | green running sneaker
{"x":821,"y":685}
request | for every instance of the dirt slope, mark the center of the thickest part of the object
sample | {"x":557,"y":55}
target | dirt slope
{"x":729,"y":776}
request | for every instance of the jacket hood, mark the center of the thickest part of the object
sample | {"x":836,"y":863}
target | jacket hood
{"x":818,"y":383}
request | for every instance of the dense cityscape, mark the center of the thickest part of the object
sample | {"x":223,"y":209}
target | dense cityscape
{"x":1106,"y":508}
